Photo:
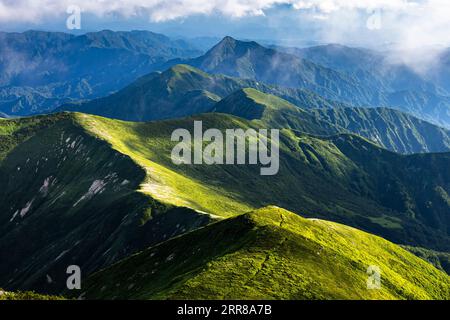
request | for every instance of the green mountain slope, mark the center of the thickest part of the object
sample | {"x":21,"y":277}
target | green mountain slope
{"x":440,"y":260}
{"x":249,"y":60}
{"x":352,"y":76}
{"x":85,"y":190}
{"x":270,"y":254}
{"x":272,"y":112}
{"x":180,"y":91}
{"x":341,"y":177}
{"x":392,"y":129}
{"x":69,"y":198}
{"x":6,"y":295}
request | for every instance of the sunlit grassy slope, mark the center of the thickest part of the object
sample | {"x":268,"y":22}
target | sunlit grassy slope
{"x":343,"y":177}
{"x":85,"y":190}
{"x":150,"y":146}
{"x":69,"y":198}
{"x":270,"y":253}
{"x":27,"y":295}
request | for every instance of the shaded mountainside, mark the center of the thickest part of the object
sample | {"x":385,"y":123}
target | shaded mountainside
{"x":354,"y":76}
{"x":180,"y":91}
{"x":41,"y":70}
{"x":270,"y":253}
{"x":440,"y":260}
{"x":68,"y":198}
{"x":392,"y":129}
{"x":85,"y":190}
{"x":389,"y":128}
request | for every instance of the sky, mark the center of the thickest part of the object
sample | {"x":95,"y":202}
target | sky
{"x":403,"y":24}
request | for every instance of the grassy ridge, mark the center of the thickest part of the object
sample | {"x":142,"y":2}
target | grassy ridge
{"x":68,"y":198}
{"x":270,"y":254}
{"x":333,"y":177}
{"x":104,"y":189}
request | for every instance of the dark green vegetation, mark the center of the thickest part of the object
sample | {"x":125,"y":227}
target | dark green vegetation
{"x":270,"y":254}
{"x":104,"y":194}
{"x":85,"y":190}
{"x":440,"y":260}
{"x":68,"y":198}
{"x":392,"y":129}
{"x":354,"y":76}
{"x":389,"y":128}
{"x":41,"y":70}
{"x":342,"y":177}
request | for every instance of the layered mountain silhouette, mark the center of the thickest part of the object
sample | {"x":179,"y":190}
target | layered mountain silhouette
{"x":41,"y":70}
{"x":183,"y":90}
{"x":354,"y":76}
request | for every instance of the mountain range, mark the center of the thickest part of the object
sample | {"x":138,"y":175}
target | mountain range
{"x":88,"y":177}
{"x":41,"y":70}
{"x":331,"y":71}
{"x":88,"y":180}
{"x":184,"y":90}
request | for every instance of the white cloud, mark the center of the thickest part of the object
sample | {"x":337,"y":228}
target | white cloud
{"x":409,"y":22}
{"x":157,"y":10}
{"x":161,"y":10}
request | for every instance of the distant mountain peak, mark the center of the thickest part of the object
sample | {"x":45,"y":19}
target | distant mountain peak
{"x":229,"y":45}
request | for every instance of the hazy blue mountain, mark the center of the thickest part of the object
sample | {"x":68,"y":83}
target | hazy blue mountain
{"x":379,"y":68}
{"x":41,"y":70}
{"x":355,"y":76}
{"x":440,"y":71}
{"x":426,"y":94}
{"x":249,"y":60}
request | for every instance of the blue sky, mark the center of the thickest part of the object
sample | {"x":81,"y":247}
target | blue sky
{"x":408,"y":24}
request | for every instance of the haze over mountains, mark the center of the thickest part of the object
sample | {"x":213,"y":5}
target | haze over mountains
{"x":88,"y":178}
{"x":368,"y":82}
{"x":41,"y":79}
{"x":41,"y":70}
